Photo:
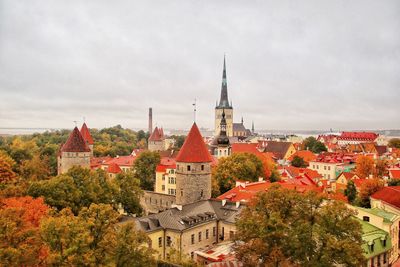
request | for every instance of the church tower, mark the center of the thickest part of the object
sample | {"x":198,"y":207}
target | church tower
{"x":223,"y":148}
{"x":193,"y":169}
{"x":224,"y":105}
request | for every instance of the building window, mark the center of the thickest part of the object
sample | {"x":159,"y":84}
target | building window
{"x":384,"y":242}
{"x":192,"y":255}
{"x":199,"y":236}
{"x":384,"y":257}
{"x":163,"y":188}
{"x":163,"y":177}
{"x":201,"y":193}
{"x":169,"y":241}
{"x":206,"y":233}
{"x":181,"y":193}
{"x":160,"y":242}
{"x":372,"y":247}
{"x":329,"y":168}
{"x":202,"y":167}
{"x":192,"y":239}
{"x":214,"y":231}
{"x":188,"y":167}
{"x":365,"y":218}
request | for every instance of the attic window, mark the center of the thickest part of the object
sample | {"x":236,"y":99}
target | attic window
{"x":384,"y":242}
{"x":365,"y":218}
{"x":372,"y":247}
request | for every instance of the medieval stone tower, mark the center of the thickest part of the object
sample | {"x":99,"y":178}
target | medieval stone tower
{"x":75,"y":152}
{"x":87,"y":137}
{"x":193,"y":170}
{"x":224,"y":105}
{"x":156,"y":140}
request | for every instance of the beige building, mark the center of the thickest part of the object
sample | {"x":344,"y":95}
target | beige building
{"x":385,"y":220}
{"x":327,"y":169}
{"x":75,"y":152}
{"x":191,"y":227}
{"x":166,"y":179}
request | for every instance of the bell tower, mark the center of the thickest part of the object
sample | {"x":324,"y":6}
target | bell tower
{"x":225,"y":106}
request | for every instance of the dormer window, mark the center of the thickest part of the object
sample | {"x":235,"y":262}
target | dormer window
{"x":365,"y":218}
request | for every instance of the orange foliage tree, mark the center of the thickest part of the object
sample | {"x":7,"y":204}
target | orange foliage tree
{"x":364,"y":166}
{"x":6,"y":172}
{"x":20,"y":242}
{"x":368,"y":188}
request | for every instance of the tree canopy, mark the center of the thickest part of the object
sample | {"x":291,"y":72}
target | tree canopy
{"x":394,"y":142}
{"x":145,"y":169}
{"x":298,"y":162}
{"x":311,"y":143}
{"x":240,"y":166}
{"x":284,"y":228}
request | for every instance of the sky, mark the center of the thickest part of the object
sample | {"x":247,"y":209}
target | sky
{"x":291,"y":65}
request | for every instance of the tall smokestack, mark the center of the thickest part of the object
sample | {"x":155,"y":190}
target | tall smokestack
{"x":150,"y":120}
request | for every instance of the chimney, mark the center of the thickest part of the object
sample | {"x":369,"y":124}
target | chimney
{"x":150,"y":120}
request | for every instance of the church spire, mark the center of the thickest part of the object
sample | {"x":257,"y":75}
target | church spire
{"x":224,"y":102}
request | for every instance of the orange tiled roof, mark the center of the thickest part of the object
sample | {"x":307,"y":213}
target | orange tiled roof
{"x":194,"y":149}
{"x":394,"y":173}
{"x":390,"y":195}
{"x":113,"y":168}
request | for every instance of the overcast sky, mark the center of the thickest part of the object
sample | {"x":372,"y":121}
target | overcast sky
{"x":290,"y":64}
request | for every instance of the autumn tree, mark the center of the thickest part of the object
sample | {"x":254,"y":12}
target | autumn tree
{"x":394,"y":142}
{"x":240,"y":166}
{"x":298,"y":162}
{"x":282,"y":227}
{"x":129,"y":193}
{"x":20,"y":241}
{"x":145,"y":169}
{"x":381,"y":168}
{"x":7,"y":174}
{"x":351,"y":191}
{"x":35,"y":169}
{"x":369,"y":187}
{"x":76,"y":189}
{"x":364,"y":166}
{"x":132,"y":248}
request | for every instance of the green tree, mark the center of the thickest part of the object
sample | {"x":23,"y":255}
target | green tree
{"x":67,"y":238}
{"x":129,"y":193}
{"x":179,"y":140}
{"x":311,"y":143}
{"x":351,"y":192}
{"x":241,"y":166}
{"x":76,"y":189}
{"x":100,"y":220}
{"x":394,"y":142}
{"x":132,"y":248}
{"x":35,"y":169}
{"x":298,"y":162}
{"x":285,"y":228}
{"x":145,"y":169}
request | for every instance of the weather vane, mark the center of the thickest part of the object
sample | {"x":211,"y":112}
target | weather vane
{"x":75,"y":123}
{"x":194,"y":110}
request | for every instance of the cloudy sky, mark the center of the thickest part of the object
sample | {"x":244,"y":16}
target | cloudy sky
{"x":290,"y":64}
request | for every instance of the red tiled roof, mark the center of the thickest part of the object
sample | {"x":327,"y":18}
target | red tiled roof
{"x":113,"y":168}
{"x":96,"y":162}
{"x":86,"y":134}
{"x":294,"y":171}
{"x":305,"y":154}
{"x":122,"y":161}
{"x":358,"y":136}
{"x":75,"y":143}
{"x":394,"y":174}
{"x":249,"y":190}
{"x":157,"y":135}
{"x":389,"y":194}
{"x":250,"y":148}
{"x":194,"y":149}
{"x":163,"y":168}
{"x":359,"y":181}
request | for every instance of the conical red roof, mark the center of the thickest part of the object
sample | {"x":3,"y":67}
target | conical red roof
{"x":157,"y":135}
{"x":75,"y":143}
{"x":86,"y":134}
{"x":194,"y":149}
{"x":114,"y":168}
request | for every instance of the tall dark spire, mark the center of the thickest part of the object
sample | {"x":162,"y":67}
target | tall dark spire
{"x":224,"y":102}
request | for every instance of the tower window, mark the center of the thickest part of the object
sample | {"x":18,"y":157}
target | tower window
{"x":201,"y":193}
{"x":188,"y":167}
{"x":181,"y":193}
{"x":202,"y":167}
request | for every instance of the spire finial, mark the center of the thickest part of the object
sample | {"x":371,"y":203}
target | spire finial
{"x":194,"y":110}
{"x":76,"y":123}
{"x":84,"y":119}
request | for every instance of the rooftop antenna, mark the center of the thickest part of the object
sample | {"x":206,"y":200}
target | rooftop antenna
{"x":194,"y":110}
{"x":76,"y":125}
{"x":84,"y":119}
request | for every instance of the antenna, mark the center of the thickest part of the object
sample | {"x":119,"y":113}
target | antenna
{"x":84,"y":119}
{"x":194,"y":110}
{"x":76,"y":125}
